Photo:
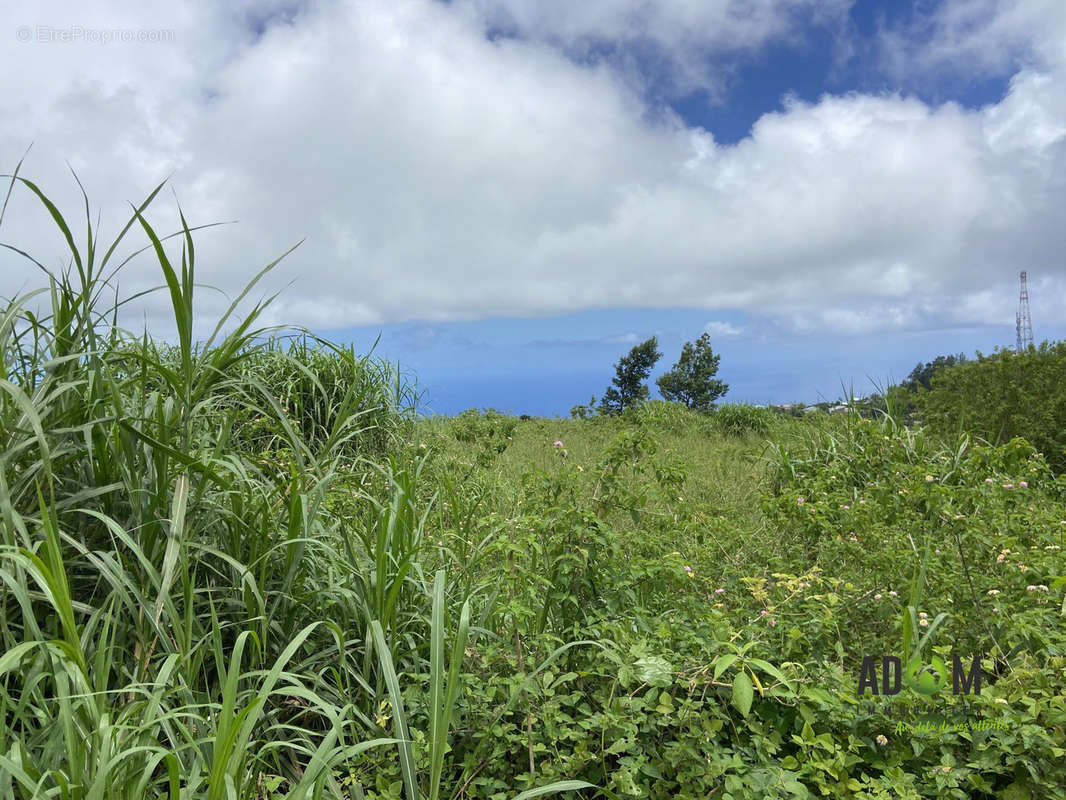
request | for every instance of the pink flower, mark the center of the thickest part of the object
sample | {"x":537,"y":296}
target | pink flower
{"x":719,"y":591}
{"x":1008,"y":486}
{"x":557,"y":443}
{"x":763,"y":613}
{"x":772,"y":621}
{"x":877,"y":596}
{"x":799,"y":500}
{"x":1023,"y":484}
{"x":1030,"y":588}
{"x":988,"y":480}
{"x":893,"y":594}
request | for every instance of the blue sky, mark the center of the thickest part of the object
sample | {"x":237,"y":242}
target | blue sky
{"x":546,"y":366}
{"x":513,"y":193}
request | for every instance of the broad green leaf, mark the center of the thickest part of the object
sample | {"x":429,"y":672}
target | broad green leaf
{"x":722,"y":663}
{"x":654,"y":671}
{"x":742,"y":692}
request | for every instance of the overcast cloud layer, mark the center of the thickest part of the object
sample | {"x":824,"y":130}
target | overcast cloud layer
{"x":492,"y":158}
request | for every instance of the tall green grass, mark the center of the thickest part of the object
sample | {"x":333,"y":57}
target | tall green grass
{"x":185,"y":608}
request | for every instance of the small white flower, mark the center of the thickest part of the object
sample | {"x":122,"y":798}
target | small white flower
{"x":881,"y":739}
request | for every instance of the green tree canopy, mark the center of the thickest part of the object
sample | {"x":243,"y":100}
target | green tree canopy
{"x":922,"y":375}
{"x":692,"y":380}
{"x":627,"y":387}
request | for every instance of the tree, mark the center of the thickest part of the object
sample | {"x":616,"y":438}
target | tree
{"x":631,"y":371}
{"x":922,"y":375}
{"x":692,"y":380}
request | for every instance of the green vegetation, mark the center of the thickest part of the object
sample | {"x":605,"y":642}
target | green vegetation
{"x":691,"y":382}
{"x":1002,"y":396}
{"x":628,"y":388}
{"x":243,"y":568}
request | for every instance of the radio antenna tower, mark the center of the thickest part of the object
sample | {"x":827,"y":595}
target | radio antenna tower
{"x":1025,"y":323}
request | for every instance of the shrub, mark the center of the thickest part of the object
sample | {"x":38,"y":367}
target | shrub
{"x":741,"y":419}
{"x":1002,"y":396}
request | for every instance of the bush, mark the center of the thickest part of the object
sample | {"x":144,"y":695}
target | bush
{"x":741,"y":419}
{"x":1003,"y":396}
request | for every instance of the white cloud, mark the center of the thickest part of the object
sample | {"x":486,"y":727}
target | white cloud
{"x":438,"y":175}
{"x":978,"y":38}
{"x":623,"y":338}
{"x":721,"y":328}
{"x":688,"y":41}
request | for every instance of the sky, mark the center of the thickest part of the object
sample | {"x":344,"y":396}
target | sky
{"x":508,"y":195}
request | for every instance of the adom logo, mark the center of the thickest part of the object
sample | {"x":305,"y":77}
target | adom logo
{"x":926,"y":679}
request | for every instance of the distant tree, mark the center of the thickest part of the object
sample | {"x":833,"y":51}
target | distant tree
{"x":1002,"y":396}
{"x":692,"y":380}
{"x":922,"y":375}
{"x":903,"y":398}
{"x":627,"y":387}
{"x":584,"y":411}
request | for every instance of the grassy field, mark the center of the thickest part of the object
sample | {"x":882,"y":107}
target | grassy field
{"x":243,"y":568}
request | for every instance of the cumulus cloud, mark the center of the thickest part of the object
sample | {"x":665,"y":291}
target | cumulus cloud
{"x":440,"y":174}
{"x":721,"y":328}
{"x":688,"y":44}
{"x":977,"y":38}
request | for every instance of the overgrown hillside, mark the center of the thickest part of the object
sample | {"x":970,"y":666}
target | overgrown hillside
{"x":242,"y":568}
{"x":1004,"y":395}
